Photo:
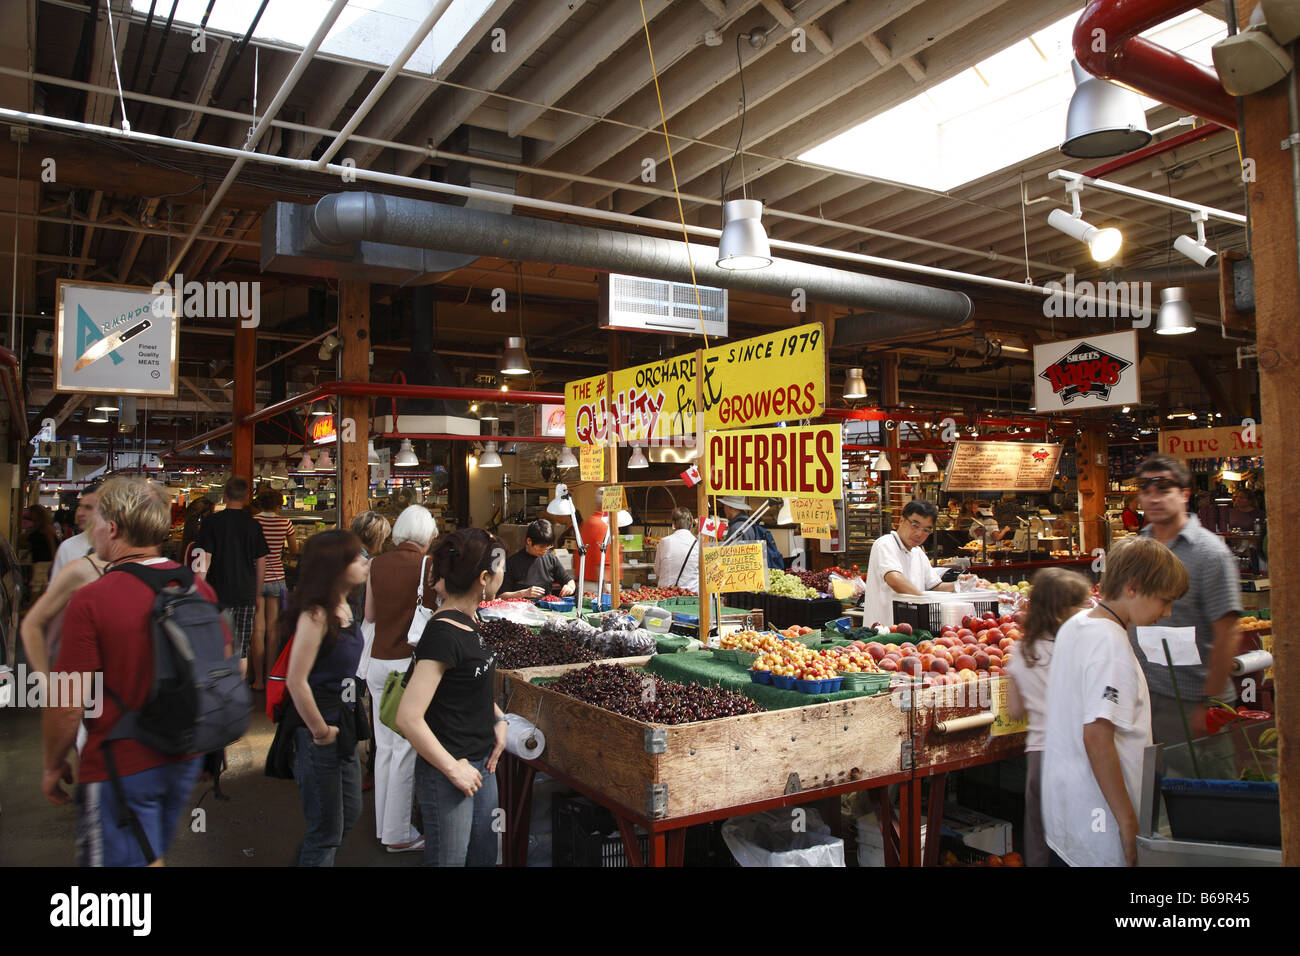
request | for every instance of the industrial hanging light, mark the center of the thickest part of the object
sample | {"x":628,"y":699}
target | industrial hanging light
{"x":882,"y":463}
{"x":913,"y":471}
{"x":207,"y":449}
{"x":854,"y":386}
{"x":1175,"y":315}
{"x":929,"y":466}
{"x":513,"y":360}
{"x":487,"y":412}
{"x":1104,"y":119}
{"x":1103,"y":244}
{"x":638,"y":459}
{"x":306,"y":466}
{"x":106,"y":405}
{"x":372,"y":456}
{"x":567,"y":459}
{"x":97,"y":417}
{"x":489,"y":458}
{"x":406,"y":457}
{"x":744,"y":242}
{"x":325,"y":463}
{"x":280,"y":471}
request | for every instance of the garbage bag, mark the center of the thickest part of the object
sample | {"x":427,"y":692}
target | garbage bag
{"x":794,"y":836}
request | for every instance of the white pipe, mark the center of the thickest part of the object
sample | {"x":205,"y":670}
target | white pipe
{"x":469,"y":192}
{"x":290,"y":81}
{"x":1168,"y":201}
{"x":385,"y":81}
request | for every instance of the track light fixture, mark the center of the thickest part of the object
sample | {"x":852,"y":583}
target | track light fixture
{"x":1196,"y":249}
{"x":1103,"y":244}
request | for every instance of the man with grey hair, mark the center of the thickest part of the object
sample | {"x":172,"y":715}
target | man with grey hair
{"x":107,"y":630}
{"x":231,"y":558}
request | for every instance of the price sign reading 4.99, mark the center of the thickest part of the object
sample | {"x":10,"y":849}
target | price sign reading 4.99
{"x":735,"y":567}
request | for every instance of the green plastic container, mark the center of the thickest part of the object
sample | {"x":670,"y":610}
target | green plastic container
{"x":869,"y":683}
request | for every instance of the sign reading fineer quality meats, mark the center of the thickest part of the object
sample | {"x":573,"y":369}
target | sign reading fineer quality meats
{"x":1091,"y":372}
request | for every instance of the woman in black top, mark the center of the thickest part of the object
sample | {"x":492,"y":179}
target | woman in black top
{"x":447,"y":711}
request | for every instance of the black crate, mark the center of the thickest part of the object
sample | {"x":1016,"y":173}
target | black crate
{"x":929,"y":617}
{"x":584,"y":833}
{"x":807,"y":612}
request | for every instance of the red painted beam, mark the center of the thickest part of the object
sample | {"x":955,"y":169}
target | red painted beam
{"x":1155,"y":149}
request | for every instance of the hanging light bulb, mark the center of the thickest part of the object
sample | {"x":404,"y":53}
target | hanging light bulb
{"x":513,"y":360}
{"x":372,"y":456}
{"x":406,"y":457}
{"x":638,"y":459}
{"x":490,"y":458}
{"x":743,"y":244}
{"x":854,"y":386}
{"x":567,"y":459}
{"x":306,"y":466}
{"x":325,"y":463}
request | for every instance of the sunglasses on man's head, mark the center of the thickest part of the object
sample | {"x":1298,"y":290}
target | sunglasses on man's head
{"x":1160,"y":484}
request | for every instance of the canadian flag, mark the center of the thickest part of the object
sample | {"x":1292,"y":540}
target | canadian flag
{"x":711,"y":527}
{"x":692,"y":476}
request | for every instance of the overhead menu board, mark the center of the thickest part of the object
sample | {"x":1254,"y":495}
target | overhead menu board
{"x":1002,"y":466}
{"x":771,"y":378}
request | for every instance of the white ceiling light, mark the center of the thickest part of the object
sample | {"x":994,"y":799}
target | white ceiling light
{"x":306,"y":466}
{"x":1104,"y":119}
{"x":97,"y":417}
{"x":490,"y":458}
{"x":567,"y":459}
{"x":487,"y":412}
{"x":513,"y":360}
{"x":1175,"y":315}
{"x":406,"y":457}
{"x":280,"y":471}
{"x":372,"y":456}
{"x":744,"y":241}
{"x":638,"y":459}
{"x":1196,"y":249}
{"x":854,"y":386}
{"x":929,"y":466}
{"x":106,"y":404}
{"x":1103,"y":244}
{"x":882,"y":463}
{"x":325,"y":463}
{"x":913,"y":471}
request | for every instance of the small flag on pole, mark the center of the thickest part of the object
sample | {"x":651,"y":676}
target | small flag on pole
{"x":692,"y":476}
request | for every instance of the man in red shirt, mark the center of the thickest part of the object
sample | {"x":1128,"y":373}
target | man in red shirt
{"x":106,"y":633}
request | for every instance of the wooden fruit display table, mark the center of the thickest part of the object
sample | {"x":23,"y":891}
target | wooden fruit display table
{"x":665,"y":778}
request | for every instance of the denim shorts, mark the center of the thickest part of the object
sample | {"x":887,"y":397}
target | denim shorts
{"x":158,"y":797}
{"x":273,"y":589}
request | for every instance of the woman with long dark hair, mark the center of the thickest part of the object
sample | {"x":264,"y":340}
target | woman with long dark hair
{"x":43,"y":543}
{"x":447,"y":711}
{"x":327,"y":647}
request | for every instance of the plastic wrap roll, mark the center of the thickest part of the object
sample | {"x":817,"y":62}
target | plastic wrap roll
{"x":1251,"y":662}
{"x":523,"y":739}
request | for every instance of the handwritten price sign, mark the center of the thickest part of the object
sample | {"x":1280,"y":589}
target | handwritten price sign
{"x":612,"y":499}
{"x":738,"y":567}
{"x":815,"y":530}
{"x":591,"y":462}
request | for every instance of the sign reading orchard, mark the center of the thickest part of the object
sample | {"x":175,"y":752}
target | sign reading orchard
{"x":756,"y":381}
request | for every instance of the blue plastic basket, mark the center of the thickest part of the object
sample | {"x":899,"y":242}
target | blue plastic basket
{"x":785,"y":683}
{"x":761,"y":677}
{"x":562,"y":605}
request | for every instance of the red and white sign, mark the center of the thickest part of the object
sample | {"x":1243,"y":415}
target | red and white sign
{"x":322,"y":430}
{"x":550,"y":420}
{"x":1092,"y":372}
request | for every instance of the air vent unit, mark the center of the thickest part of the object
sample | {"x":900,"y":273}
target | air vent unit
{"x":658,"y":305}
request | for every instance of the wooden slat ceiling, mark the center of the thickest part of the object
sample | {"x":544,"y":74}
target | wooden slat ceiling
{"x":575,"y":87}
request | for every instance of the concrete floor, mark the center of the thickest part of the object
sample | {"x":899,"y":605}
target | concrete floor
{"x":260,"y":824}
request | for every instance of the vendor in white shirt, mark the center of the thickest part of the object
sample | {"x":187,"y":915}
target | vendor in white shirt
{"x":677,"y":558}
{"x":898,"y":565}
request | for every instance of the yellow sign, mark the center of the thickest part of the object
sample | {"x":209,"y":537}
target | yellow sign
{"x":591,"y":462}
{"x":775,"y":462}
{"x":737,"y":567}
{"x":770,"y":378}
{"x":815,"y":530}
{"x":812,"y":510}
{"x":1003,"y":724}
{"x":612,"y":499}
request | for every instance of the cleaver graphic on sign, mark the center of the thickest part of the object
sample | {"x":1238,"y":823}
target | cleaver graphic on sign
{"x":110,"y":344}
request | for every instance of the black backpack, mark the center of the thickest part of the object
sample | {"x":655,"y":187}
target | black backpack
{"x":198,"y":701}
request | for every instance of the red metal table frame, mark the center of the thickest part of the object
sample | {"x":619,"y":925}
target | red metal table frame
{"x":666,"y":845}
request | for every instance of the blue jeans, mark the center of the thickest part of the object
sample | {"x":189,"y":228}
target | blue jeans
{"x":457,"y":828}
{"x":158,"y":797}
{"x":331,"y":796}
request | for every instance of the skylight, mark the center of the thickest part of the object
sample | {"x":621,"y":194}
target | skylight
{"x":368,"y":31}
{"x":1005,"y":109}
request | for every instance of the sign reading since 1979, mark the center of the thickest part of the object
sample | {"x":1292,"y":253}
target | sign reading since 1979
{"x":1002,"y":466}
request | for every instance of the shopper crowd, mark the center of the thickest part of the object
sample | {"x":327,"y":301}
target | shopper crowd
{"x":397,"y":623}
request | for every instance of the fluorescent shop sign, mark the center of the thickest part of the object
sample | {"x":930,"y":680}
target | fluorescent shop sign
{"x":776,"y":462}
{"x":323,"y":430}
{"x":758,"y":381}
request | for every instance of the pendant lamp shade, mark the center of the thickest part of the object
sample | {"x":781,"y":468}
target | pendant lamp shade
{"x":513,"y":360}
{"x":1175,"y":316}
{"x":882,"y":463}
{"x":372,"y":456}
{"x":638,"y":459}
{"x":913,"y":471}
{"x":490,"y":457}
{"x":743,"y":244}
{"x":567,"y":459}
{"x":1104,"y":119}
{"x":854,"y":386}
{"x":487,"y":412}
{"x":929,"y":466}
{"x":306,"y":466}
{"x":325,"y":463}
{"x":406,"y":457}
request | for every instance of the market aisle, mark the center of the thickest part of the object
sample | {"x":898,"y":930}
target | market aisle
{"x":260,"y":825}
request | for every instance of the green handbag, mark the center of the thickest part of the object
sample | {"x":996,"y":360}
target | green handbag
{"x":394,"y":687}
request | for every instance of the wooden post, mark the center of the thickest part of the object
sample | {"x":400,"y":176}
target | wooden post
{"x":1090,"y":449}
{"x":245,"y":397}
{"x":354,"y":470}
{"x":701,"y":493}
{"x":1273,"y":228}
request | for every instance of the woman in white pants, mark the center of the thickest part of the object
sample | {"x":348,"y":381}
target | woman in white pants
{"x":391,"y":592}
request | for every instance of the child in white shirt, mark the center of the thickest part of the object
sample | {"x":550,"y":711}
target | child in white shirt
{"x":1099,"y":713}
{"x":1058,"y":595}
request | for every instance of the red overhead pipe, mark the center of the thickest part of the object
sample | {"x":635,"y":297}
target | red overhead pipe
{"x":1155,"y":149}
{"x":12,"y":392}
{"x":1106,"y":44}
{"x":391,"y":390}
{"x":499,"y":439}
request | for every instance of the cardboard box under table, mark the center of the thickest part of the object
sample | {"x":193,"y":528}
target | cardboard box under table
{"x":668,"y":777}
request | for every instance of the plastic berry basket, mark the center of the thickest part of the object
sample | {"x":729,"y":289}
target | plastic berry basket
{"x":869,"y":682}
{"x":784,"y":683}
{"x":558,"y":604}
{"x":761,"y":677}
{"x":728,"y":655}
{"x":745,"y":658}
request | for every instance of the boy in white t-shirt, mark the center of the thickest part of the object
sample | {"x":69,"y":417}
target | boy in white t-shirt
{"x":1099,"y":712}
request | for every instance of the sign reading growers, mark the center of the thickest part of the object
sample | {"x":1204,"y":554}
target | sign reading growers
{"x":758,"y":381}
{"x":735,"y":567}
{"x":1091,"y":372}
{"x":798,"y":462}
{"x":114,"y":340}
{"x":1001,"y":466}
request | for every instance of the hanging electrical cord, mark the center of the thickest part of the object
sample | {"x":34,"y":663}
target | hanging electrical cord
{"x":117,"y":73}
{"x":681,"y":214}
{"x":744,"y":108}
